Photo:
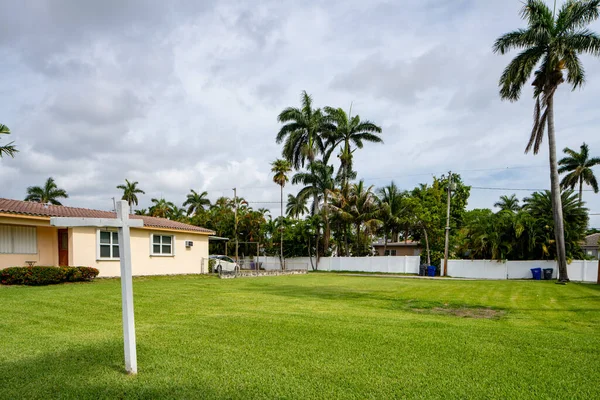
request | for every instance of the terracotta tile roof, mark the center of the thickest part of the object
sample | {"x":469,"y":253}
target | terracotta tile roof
{"x":592,"y":240}
{"x":43,"y":210}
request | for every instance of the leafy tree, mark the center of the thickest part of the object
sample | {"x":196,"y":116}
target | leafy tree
{"x":141,"y":211}
{"x":579,"y":168}
{"x":196,"y":202}
{"x":161,"y":208}
{"x":348,"y":131}
{"x":508,"y":203}
{"x":296,"y":206}
{"x":49,"y":193}
{"x":363,"y":213}
{"x":8,"y":149}
{"x":554,"y":42}
{"x":130,"y":192}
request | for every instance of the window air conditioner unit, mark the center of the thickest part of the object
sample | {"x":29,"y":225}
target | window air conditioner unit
{"x":189,"y":243}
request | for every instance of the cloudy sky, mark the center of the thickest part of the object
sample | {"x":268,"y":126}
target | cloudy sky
{"x":185,"y":94}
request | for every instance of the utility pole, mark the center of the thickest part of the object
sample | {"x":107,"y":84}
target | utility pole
{"x":445,"y":272}
{"x":114,"y":205}
{"x":236,"y":223}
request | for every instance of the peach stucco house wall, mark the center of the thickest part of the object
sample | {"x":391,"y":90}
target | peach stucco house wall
{"x":80,"y":246}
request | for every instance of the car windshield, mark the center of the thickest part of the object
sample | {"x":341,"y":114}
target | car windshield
{"x":225,"y":258}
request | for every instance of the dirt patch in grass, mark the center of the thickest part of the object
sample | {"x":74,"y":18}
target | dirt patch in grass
{"x":457,"y":310}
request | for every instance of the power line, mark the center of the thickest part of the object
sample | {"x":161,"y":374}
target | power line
{"x":517,"y":189}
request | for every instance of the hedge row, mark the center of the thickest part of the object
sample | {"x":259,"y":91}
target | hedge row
{"x":37,"y":276}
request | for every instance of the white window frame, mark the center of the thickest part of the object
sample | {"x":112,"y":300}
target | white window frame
{"x":98,"y":257}
{"x":153,"y":254}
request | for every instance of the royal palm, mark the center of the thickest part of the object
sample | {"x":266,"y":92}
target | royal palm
{"x":195,"y":202}
{"x":550,"y":48}
{"x":280,"y":169}
{"x":348,"y":131}
{"x":49,"y":193}
{"x":130,"y":192}
{"x":578,"y":167}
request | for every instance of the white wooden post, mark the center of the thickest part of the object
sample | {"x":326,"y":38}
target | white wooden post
{"x":127,"y":288}
{"x":123,"y":223}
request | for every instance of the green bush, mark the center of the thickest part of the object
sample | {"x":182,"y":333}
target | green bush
{"x":40,"y":275}
{"x":211,"y":265}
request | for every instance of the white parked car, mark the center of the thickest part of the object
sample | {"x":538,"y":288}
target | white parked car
{"x":224,"y":263}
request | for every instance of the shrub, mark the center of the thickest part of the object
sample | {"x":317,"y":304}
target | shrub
{"x":40,"y":275}
{"x":211,"y":265}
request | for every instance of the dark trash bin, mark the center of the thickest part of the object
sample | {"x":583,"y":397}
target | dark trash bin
{"x":431,"y":270}
{"x":548,"y":274}
{"x":537,"y":273}
{"x":423,"y":270}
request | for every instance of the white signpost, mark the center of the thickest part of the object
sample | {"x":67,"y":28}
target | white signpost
{"x":123,"y":223}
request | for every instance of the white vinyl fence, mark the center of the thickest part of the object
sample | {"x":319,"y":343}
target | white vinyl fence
{"x":582,"y":271}
{"x":390,"y":264}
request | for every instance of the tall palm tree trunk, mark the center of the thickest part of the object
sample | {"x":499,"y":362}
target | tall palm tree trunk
{"x":327,"y":227}
{"x":281,"y":232}
{"x":559,"y":230}
{"x":580,"y":188}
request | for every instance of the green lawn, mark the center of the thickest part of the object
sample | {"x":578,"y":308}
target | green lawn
{"x":304,"y":337}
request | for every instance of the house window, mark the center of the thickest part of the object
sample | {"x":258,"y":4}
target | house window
{"x":108,"y":245}
{"x":18,"y":239}
{"x":162,"y":245}
{"x":390,"y":253}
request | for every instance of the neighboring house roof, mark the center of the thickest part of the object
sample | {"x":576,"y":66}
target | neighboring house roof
{"x":408,"y":243}
{"x":591,"y":241}
{"x":19,"y":207}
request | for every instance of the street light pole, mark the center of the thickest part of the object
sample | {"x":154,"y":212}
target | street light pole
{"x":235,"y":204}
{"x":445,"y":272}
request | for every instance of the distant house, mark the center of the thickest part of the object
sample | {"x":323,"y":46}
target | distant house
{"x":590,"y":245}
{"x":407,"y":248}
{"x":160,"y":247}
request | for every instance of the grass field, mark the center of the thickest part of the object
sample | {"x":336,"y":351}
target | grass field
{"x":304,"y":337}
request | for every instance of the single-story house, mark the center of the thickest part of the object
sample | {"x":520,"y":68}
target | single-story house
{"x":590,"y":246}
{"x":160,"y":247}
{"x":406,"y":248}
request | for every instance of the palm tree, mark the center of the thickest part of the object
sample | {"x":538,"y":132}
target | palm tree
{"x":363,"y":211}
{"x":554,"y":42}
{"x":142,"y":211}
{"x":348,"y":131}
{"x":579,"y":168}
{"x":196,"y":201}
{"x":280,"y":169}
{"x":161,"y":208}
{"x":8,"y":149}
{"x":508,"y":203}
{"x":391,"y":208}
{"x":130,"y":191}
{"x":177,"y":214}
{"x":296,"y":206}
{"x":303,"y":134}
{"x":49,"y":193}
{"x":319,"y":183}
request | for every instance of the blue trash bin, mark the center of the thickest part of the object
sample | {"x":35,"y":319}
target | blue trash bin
{"x":431,"y":270}
{"x":537,"y":273}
